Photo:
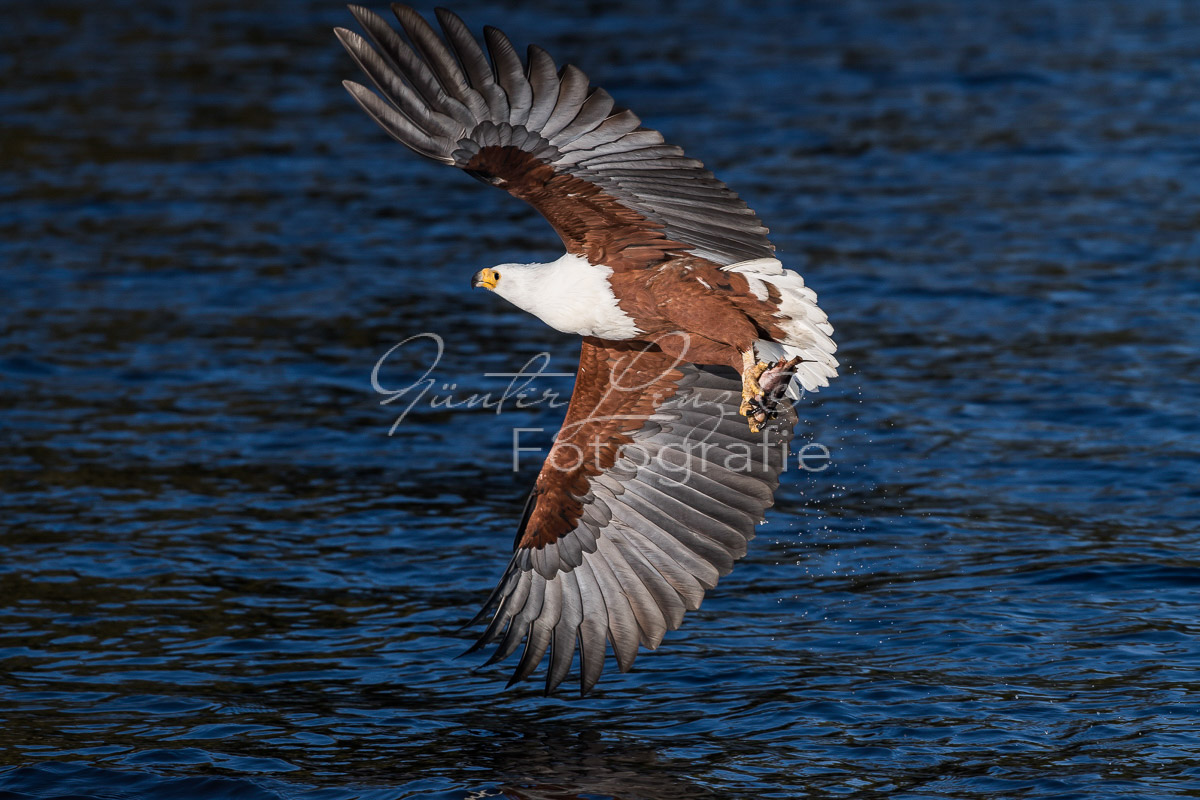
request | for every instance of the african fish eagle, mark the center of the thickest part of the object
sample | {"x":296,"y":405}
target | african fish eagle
{"x":662,"y":467}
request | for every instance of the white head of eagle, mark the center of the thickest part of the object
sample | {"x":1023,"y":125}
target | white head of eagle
{"x":571,"y":295}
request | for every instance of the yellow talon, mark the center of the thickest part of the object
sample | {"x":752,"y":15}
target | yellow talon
{"x":752,"y":393}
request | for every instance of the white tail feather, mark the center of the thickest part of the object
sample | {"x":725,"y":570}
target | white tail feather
{"x":808,"y":335}
{"x":762,"y":266}
{"x":805,"y":326}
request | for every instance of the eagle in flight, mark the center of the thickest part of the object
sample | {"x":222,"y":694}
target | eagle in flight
{"x":695,"y":339}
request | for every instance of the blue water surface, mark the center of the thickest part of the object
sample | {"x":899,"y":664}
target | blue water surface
{"x":221,"y":577}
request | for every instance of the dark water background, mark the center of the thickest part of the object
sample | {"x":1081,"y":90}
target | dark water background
{"x":221,"y":578}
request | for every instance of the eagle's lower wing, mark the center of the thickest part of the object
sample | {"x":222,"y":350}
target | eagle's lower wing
{"x":649,"y":494}
{"x":615,"y":191}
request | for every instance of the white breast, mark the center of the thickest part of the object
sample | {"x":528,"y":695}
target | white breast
{"x":570,"y":295}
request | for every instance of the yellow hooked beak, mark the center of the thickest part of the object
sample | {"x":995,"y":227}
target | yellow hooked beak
{"x":487,"y":278}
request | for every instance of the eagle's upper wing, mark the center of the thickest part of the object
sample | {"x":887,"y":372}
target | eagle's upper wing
{"x":649,"y":494}
{"x":614,"y":191}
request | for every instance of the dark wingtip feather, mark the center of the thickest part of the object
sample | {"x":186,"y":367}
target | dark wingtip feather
{"x":482,"y":612}
{"x":476,"y":645}
{"x":473,"y":648}
{"x":517,"y":630}
{"x":364,"y":15}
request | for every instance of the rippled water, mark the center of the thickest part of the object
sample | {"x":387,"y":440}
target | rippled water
{"x":221,"y":577}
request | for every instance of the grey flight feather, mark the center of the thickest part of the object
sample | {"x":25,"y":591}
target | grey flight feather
{"x":443,"y":98}
{"x":655,"y":534}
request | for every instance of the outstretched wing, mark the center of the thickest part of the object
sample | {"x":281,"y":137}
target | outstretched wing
{"x":614,"y":191}
{"x":649,"y":494}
